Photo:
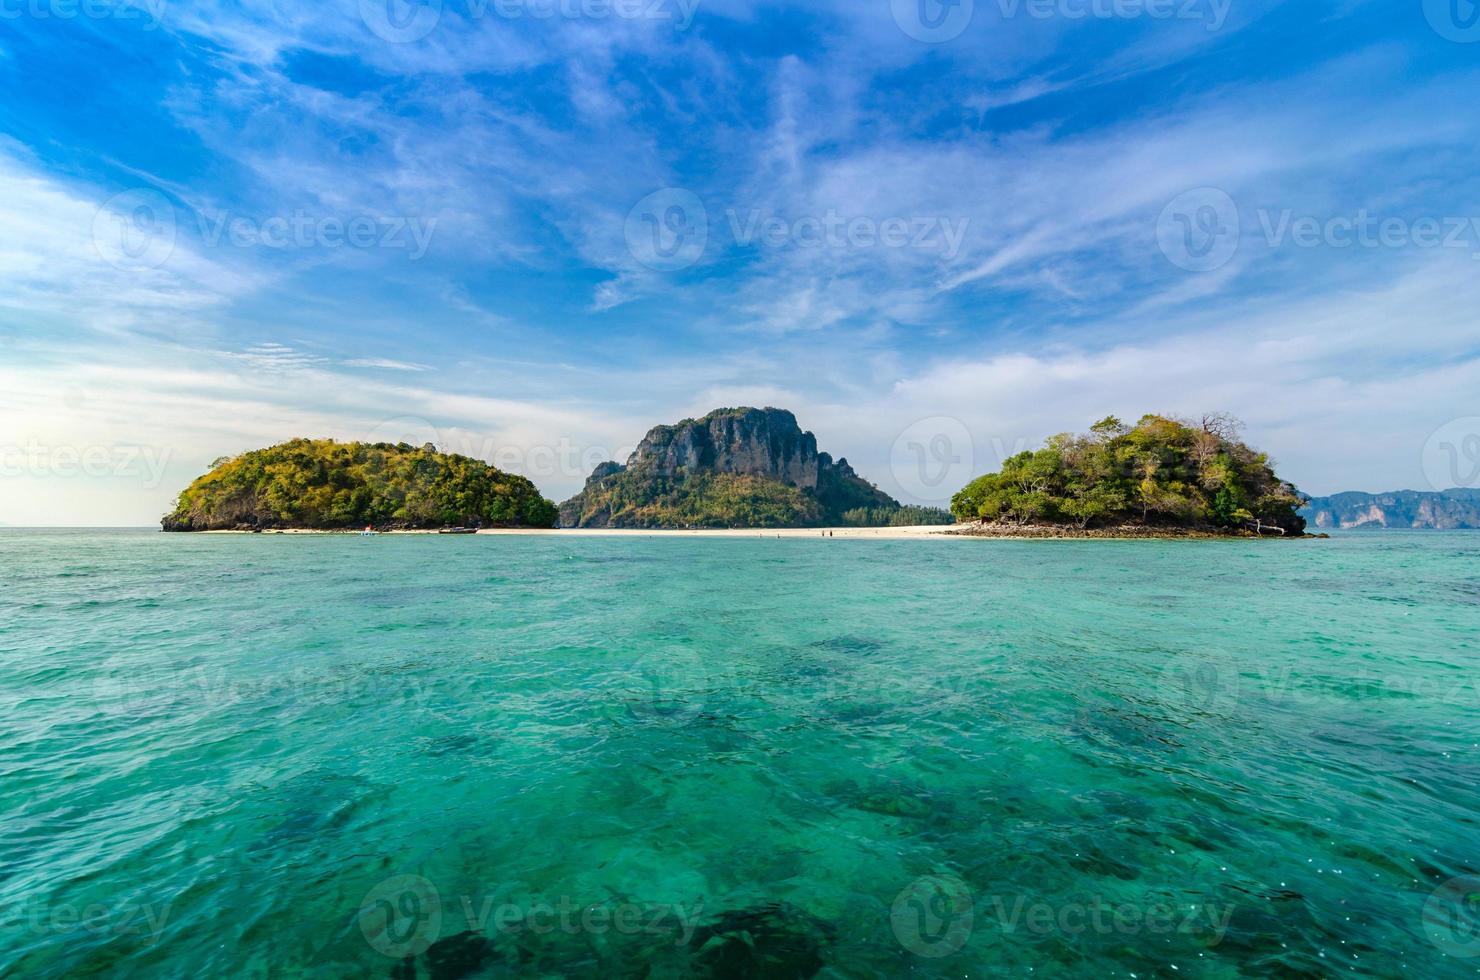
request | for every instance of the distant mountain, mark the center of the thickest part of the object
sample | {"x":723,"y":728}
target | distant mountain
{"x":1449,"y":510}
{"x":736,"y":467}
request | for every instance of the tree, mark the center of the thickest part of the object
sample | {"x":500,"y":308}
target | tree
{"x":1161,"y":471}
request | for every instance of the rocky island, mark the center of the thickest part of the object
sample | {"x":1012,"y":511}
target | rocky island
{"x":1159,"y":478}
{"x":320,"y":484}
{"x":734,"y":468}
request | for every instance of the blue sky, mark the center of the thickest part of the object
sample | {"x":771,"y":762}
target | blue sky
{"x":531,"y":229}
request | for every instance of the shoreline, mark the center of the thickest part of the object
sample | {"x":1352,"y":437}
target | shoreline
{"x":938,"y":532}
{"x":874,"y":533}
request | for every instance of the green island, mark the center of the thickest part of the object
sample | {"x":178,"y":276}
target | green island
{"x":1161,"y":477}
{"x":735,"y":468}
{"x":320,"y":484}
{"x":749,"y":468}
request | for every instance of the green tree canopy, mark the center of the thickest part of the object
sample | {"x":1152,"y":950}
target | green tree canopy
{"x":323,"y":484}
{"x":1162,"y":471}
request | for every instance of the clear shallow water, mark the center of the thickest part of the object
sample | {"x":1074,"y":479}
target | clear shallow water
{"x":289,"y":756}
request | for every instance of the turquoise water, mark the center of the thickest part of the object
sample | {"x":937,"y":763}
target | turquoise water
{"x":432,"y":757}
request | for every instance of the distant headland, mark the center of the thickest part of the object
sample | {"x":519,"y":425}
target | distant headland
{"x":1445,"y":510}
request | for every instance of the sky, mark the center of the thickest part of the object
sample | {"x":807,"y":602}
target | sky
{"x":530,"y":230}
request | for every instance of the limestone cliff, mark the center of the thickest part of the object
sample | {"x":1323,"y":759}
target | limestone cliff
{"x":736,"y":467}
{"x":1450,"y":510}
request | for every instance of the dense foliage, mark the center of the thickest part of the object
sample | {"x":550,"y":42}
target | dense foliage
{"x":325,"y":484}
{"x":642,"y":498}
{"x":905,"y":516}
{"x":699,"y":500}
{"x":733,"y":468}
{"x":1160,"y":472}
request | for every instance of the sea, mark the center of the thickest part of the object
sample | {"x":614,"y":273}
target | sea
{"x":444,"y":757}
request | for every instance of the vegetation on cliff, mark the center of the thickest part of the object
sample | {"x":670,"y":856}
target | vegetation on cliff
{"x":736,"y":467}
{"x":322,"y":484}
{"x":1160,"y":473}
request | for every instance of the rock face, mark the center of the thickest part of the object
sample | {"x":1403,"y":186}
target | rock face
{"x":767,"y":443}
{"x":1446,"y":511}
{"x":736,"y":467}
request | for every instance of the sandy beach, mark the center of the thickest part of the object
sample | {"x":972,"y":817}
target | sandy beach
{"x":871,"y":533}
